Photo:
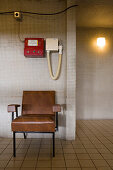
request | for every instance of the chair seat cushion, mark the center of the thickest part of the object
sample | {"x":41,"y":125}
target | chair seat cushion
{"x":34,"y":123}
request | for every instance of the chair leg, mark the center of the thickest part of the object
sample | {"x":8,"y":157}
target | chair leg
{"x":53,"y":144}
{"x":25,"y":136}
{"x":14,"y":144}
{"x":12,"y":116}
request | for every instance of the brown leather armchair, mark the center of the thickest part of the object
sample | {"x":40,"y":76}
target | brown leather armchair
{"x":39,"y":115}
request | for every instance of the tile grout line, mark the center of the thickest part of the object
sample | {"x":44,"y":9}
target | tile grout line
{"x":87,"y":152}
{"x":88,"y":133}
{"x":64,"y":156}
{"x":11,"y":156}
{"x":38,"y":154}
{"x":106,"y":138}
{"x":97,"y":149}
{"x":77,"y":156}
{"x":25,"y":155}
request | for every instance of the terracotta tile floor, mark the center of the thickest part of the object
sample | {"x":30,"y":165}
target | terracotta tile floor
{"x":92,"y":150}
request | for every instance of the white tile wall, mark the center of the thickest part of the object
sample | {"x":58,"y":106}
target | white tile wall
{"x":71,"y":72}
{"x":18,"y":73}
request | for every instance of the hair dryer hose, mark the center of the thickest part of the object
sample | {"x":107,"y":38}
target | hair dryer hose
{"x":50,"y":67}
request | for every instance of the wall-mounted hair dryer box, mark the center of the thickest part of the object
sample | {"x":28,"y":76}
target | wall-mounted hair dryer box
{"x":34,"y":47}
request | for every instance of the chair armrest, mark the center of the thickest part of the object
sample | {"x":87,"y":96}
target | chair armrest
{"x":12,"y":107}
{"x":56,"y":108}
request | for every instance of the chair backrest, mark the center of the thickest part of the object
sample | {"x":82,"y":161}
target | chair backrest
{"x":38,"y":102}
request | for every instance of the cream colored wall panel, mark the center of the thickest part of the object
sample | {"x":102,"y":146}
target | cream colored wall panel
{"x":94,"y":74}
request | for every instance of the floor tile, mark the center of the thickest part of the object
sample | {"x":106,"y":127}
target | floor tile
{"x":58,"y":163}
{"x":104,"y":168}
{"x":78,"y":146}
{"x":15,"y":164}
{"x":18,"y":158}
{"x":91,"y":146}
{"x":110,"y":162}
{"x":86,"y":163}
{"x":92,"y":149}
{"x":107,"y":155}
{"x":44,"y":164}
{"x":33,"y":158}
{"x":83,"y":156}
{"x":5,"y":158}
{"x":70,"y":156}
{"x":105,"y":150}
{"x":43,"y":169}
{"x":59,"y":150}
{"x":45,"y":150}
{"x":58,"y":146}
{"x":58,"y":168}
{"x":73,"y":168}
{"x":3,"y":164}
{"x":29,"y":164}
{"x":80,"y":150}
{"x":12,"y":168}
{"x":99,"y":146}
{"x":44,"y":157}
{"x":58,"y":156}
{"x":95,"y":156}
{"x":68,"y":151}
{"x":72,"y":163}
{"x":88,"y":168}
{"x":27,"y":168}
{"x":67,"y":146}
{"x":100,"y":163}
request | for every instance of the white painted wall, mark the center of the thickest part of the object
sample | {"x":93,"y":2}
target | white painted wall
{"x":18,"y":73}
{"x":94,"y":74}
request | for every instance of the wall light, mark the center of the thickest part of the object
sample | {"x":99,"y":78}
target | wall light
{"x":101,"y":42}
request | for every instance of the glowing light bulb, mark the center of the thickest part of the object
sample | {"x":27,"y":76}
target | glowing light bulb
{"x":101,"y":42}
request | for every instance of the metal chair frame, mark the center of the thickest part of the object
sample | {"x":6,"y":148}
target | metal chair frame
{"x":25,"y":136}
